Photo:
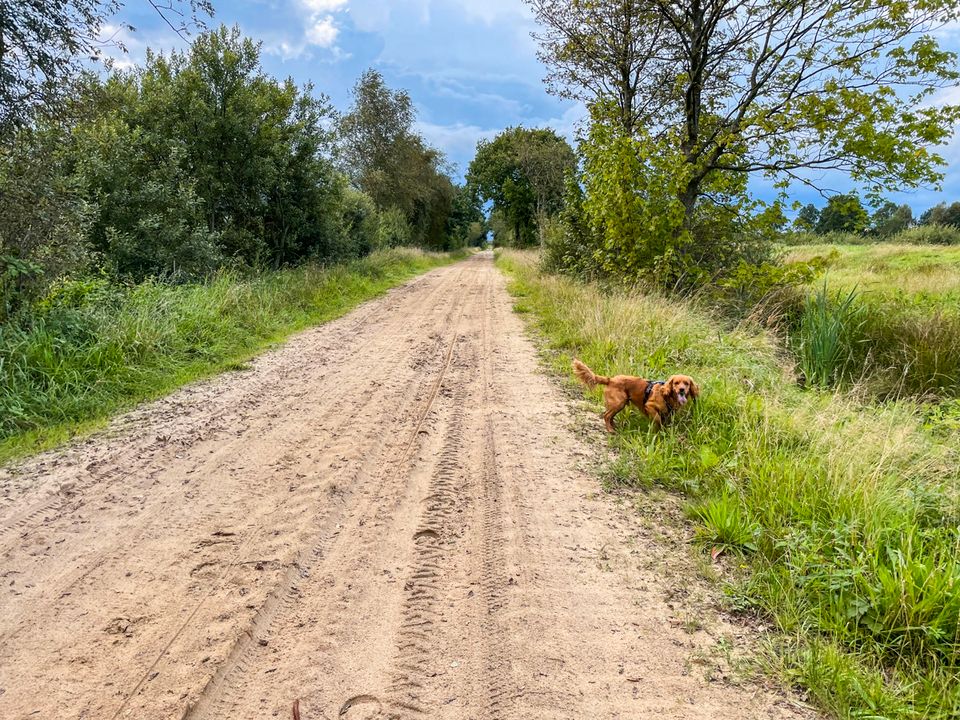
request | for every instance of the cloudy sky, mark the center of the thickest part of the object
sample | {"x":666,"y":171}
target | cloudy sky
{"x":469,"y":65}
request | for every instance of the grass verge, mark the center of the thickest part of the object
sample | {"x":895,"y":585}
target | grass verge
{"x":91,"y":349}
{"x":845,"y":515}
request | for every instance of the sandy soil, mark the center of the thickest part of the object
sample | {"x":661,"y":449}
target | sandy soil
{"x":383,"y":518}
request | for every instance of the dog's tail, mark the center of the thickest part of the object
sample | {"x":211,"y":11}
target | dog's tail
{"x":587,"y":376}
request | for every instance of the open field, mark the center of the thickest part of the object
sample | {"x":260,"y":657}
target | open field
{"x":386,"y":517}
{"x":923,"y":273}
{"x":837,"y":520}
{"x":881,"y":318}
{"x":90,"y":349}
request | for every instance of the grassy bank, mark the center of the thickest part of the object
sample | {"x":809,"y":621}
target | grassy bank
{"x":91,"y":349}
{"x":884,"y":317}
{"x":846,"y":515}
{"x":918,"y":272}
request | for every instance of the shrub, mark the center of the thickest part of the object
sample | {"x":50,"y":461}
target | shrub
{"x":393,"y":230}
{"x":929,"y":235}
{"x":828,"y":328}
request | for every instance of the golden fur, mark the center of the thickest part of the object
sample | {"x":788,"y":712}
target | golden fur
{"x":619,"y":390}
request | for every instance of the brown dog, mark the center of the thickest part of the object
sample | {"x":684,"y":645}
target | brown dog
{"x":658,"y":400}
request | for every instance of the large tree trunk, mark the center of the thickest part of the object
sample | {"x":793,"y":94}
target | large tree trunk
{"x":688,"y":198}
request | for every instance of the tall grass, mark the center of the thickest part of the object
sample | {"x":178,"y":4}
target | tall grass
{"x":845,"y":514}
{"x":918,"y":235}
{"x":90,"y":349}
{"x":826,"y":328}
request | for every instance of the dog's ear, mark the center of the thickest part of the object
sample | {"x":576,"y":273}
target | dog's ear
{"x":694,"y":390}
{"x":668,"y":388}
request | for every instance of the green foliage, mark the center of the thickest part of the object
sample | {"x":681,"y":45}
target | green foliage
{"x":197,"y":161}
{"x":252,"y":146}
{"x":848,"y":511}
{"x":942,"y":214}
{"x":632,"y":225}
{"x":929,"y":235}
{"x":466,"y":224}
{"x":843,"y":213}
{"x":147,"y":217}
{"x":901,"y":336}
{"x":90,"y":347}
{"x":698,"y":98}
{"x":723,"y":522}
{"x":827,"y":330}
{"x":890,"y":219}
{"x":393,"y":230}
{"x":523,"y":173}
{"x":45,"y":45}
{"x":807,"y":218}
{"x":384,"y":157}
{"x":44,"y":219}
{"x":630,"y":205}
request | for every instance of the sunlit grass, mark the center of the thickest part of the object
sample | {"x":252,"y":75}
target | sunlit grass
{"x":91,"y":349}
{"x":846,"y":514}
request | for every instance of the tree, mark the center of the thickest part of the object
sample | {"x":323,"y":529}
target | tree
{"x":807,"y":218}
{"x":890,"y":219}
{"x":376,"y":138}
{"x":44,"y":43}
{"x":600,"y":50}
{"x":777,"y":87}
{"x":466,"y":222}
{"x":843,"y":213}
{"x":383,"y":156}
{"x":43,"y":216}
{"x":522,"y":172}
{"x":199,"y":156}
{"x":942,"y":214}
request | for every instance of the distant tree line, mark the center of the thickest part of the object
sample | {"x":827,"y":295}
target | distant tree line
{"x":199,"y":160}
{"x":847,"y":213}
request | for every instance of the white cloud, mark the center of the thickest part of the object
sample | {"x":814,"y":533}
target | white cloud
{"x":458,"y":140}
{"x":320,"y":26}
{"x":322,"y":32}
{"x":322,"y":6}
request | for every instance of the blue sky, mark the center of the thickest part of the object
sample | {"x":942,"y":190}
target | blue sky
{"x":469,"y":65}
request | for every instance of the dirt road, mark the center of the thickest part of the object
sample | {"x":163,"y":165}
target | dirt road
{"x":383,"y":518}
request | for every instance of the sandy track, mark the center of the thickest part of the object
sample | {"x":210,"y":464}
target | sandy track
{"x":383,"y":518}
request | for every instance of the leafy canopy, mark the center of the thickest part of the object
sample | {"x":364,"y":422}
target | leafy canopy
{"x":779,"y":87}
{"x":44,"y":43}
{"x":522,"y":172}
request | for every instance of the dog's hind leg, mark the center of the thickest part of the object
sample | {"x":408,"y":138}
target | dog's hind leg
{"x":615,"y":401}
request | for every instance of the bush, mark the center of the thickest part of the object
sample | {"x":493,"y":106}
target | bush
{"x":44,"y":219}
{"x":918,"y":235}
{"x":393,"y":229}
{"x":929,"y":235}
